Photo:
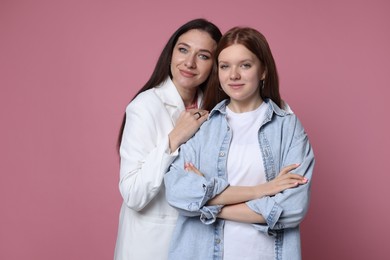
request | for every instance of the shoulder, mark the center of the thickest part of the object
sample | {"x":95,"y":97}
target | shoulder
{"x":284,"y":119}
{"x":289,"y":126}
{"x":216,"y":122}
{"x":145,"y":101}
{"x":146,"y":96}
{"x":145,"y":110}
{"x":163,"y":95}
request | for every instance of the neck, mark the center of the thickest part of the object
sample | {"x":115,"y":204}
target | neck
{"x":189,"y":97}
{"x":187,"y":94}
{"x":242,"y":106}
{"x":193,"y":104}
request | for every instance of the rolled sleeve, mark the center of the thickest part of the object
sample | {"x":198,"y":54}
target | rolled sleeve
{"x":209,"y":214}
{"x":189,"y":192}
{"x":287,"y":209}
{"x":284,"y":210}
{"x":269,"y":209}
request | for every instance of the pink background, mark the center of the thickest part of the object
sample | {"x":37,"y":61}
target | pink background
{"x":68,"y":69}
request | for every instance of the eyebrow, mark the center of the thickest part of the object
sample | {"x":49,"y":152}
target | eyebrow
{"x":241,"y":61}
{"x":185,"y":44}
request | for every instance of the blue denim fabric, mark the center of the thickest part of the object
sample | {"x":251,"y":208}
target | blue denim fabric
{"x":199,"y":233}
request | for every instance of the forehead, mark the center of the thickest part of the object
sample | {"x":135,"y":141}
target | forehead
{"x":197,"y":39}
{"x":236,"y":52}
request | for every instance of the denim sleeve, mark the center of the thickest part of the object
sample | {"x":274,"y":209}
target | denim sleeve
{"x":288,"y":208}
{"x":189,"y":192}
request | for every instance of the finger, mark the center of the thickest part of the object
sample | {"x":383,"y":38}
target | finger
{"x":195,"y":170}
{"x":292,"y":177}
{"x":194,"y":110}
{"x":186,"y":166}
{"x":294,"y":181}
{"x":203,"y":117}
{"x":197,"y":115}
{"x":299,"y":177}
{"x":289,"y":168}
{"x":192,"y":168}
{"x":202,"y":111}
{"x":295,"y":184}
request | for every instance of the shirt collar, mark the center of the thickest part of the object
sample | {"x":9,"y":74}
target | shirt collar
{"x":169,"y":95}
{"x":272,"y":108}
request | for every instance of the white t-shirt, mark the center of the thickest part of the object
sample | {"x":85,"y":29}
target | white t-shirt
{"x":245,"y":168}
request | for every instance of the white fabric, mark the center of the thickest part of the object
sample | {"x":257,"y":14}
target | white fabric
{"x":245,"y":168}
{"x":146,"y":220}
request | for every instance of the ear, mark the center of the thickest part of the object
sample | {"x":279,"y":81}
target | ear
{"x":263,"y":75}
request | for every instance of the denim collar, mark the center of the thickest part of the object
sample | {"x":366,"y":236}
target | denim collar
{"x":272,"y":108}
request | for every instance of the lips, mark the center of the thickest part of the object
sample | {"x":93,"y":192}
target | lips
{"x":236,"y":85}
{"x":187,"y":74}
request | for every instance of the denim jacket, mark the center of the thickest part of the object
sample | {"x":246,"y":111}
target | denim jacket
{"x":199,"y":233}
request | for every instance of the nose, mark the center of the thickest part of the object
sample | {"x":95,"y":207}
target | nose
{"x":234,"y":75}
{"x":190,"y":62}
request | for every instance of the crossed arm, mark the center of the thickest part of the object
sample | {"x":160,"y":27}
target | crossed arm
{"x":233,"y":198}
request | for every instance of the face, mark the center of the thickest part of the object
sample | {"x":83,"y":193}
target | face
{"x":192,"y":59}
{"x":240,"y":72}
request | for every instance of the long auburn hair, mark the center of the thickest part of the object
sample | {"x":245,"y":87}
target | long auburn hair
{"x":162,"y":69}
{"x":255,"y":42}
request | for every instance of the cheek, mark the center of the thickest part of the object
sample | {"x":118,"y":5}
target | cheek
{"x":174,"y":59}
{"x":257,"y":79}
{"x":224,"y":88}
{"x":206,"y":69}
{"x":222,"y":75}
{"x":177,"y":58}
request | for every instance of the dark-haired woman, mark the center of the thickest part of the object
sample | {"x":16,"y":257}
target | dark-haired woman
{"x":164,"y":114}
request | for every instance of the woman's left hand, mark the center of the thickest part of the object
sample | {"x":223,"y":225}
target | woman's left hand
{"x":189,"y":167}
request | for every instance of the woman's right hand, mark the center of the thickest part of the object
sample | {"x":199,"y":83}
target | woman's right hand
{"x":186,"y":126}
{"x":284,"y":180}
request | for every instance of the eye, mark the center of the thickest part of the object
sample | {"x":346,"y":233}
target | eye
{"x":223,"y":66}
{"x":183,"y":50}
{"x":203,"y":57}
{"x":246,"y":65}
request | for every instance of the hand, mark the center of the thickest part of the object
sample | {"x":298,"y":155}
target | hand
{"x":189,"y":167}
{"x":186,"y":126}
{"x":284,"y":180}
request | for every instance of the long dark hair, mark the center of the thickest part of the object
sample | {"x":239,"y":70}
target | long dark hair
{"x":255,"y":42}
{"x":162,"y":68}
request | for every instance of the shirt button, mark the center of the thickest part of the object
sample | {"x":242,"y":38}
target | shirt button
{"x":217,"y":240}
{"x":221,"y":154}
